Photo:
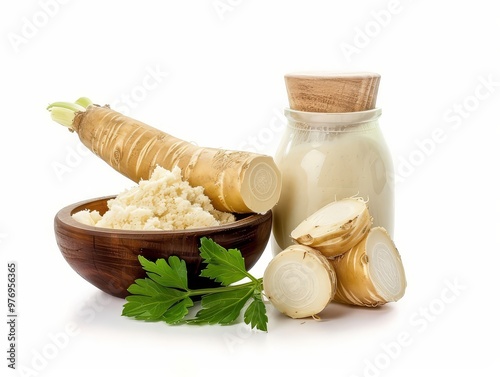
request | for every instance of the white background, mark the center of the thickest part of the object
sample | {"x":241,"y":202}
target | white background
{"x":214,"y":74}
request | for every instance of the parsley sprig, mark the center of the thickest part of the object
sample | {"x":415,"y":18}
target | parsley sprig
{"x":164,"y":294}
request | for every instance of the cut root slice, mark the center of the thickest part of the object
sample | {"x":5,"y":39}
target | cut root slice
{"x":300,"y":282}
{"x":260,"y":186}
{"x":335,"y":228}
{"x":371,"y":273}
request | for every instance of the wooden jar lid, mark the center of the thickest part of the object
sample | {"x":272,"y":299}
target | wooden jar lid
{"x":332,"y":92}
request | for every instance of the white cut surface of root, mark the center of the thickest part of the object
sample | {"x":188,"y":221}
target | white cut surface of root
{"x":336,"y":227}
{"x":300,"y":282}
{"x":371,"y":273}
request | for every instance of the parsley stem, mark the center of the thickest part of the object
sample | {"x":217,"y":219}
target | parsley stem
{"x":206,"y":291}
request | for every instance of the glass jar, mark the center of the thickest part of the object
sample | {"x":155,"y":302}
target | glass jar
{"x":325,"y":157}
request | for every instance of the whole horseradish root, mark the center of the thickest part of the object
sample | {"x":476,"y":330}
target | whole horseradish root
{"x":235,"y":181}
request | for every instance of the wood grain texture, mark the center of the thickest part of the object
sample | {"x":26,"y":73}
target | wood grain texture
{"x":107,"y":258}
{"x":332,"y":92}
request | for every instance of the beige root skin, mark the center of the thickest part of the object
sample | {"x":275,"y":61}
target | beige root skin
{"x":235,"y":181}
{"x":371,"y":273}
{"x":339,"y":236}
{"x":299,"y":282}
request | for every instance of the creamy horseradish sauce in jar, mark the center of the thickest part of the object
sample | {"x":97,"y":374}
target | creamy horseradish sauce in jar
{"x":325,"y":157}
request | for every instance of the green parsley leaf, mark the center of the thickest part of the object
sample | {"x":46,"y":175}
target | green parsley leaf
{"x":172,"y":274}
{"x":177,"y":312}
{"x":154,"y":306}
{"x":157,"y":297}
{"x":222,"y":307}
{"x":224,"y":266}
{"x":255,"y":315}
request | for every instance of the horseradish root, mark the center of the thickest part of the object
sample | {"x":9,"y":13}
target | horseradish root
{"x":371,"y":273}
{"x":299,"y":282}
{"x":335,"y":228}
{"x":235,"y":181}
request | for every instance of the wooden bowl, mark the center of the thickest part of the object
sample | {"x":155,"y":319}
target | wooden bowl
{"x":107,"y":258}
